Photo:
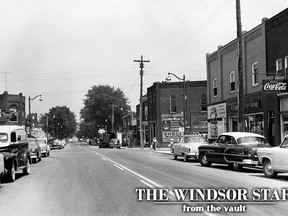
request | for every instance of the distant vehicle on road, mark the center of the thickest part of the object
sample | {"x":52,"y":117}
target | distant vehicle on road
{"x":274,"y":160}
{"x":114,"y":143}
{"x":35,"y":150}
{"x":187,"y":146}
{"x":57,"y":144}
{"x":236,"y":149}
{"x":105,"y":139}
{"x":14,"y":148}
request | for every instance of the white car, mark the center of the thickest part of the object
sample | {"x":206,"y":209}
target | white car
{"x":274,"y":160}
{"x":187,"y":146}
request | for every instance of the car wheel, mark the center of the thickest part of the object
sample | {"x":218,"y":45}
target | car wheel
{"x":185,"y":159}
{"x":11,"y":174}
{"x":236,"y":166}
{"x":204,"y":161}
{"x":268,"y":169}
{"x":175,"y":157}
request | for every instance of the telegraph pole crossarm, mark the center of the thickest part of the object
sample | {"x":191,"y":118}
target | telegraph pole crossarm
{"x":141,"y":61}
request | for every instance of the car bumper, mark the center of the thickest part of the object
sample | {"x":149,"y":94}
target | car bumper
{"x":191,"y":154}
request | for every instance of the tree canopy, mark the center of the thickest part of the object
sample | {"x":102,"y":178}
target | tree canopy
{"x":102,"y":104}
{"x":61,"y":122}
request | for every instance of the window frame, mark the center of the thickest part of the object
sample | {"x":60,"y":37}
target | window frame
{"x":232,"y":77}
{"x":215,"y":87}
{"x":255,"y":72}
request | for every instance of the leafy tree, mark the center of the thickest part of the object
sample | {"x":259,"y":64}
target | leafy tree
{"x":99,"y":105}
{"x":61,"y":122}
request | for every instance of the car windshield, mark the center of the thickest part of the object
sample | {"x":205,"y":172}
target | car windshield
{"x":3,"y":138}
{"x":194,"y":140}
{"x":252,"y":140}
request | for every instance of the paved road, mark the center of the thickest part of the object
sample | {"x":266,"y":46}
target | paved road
{"x":84,"y":180}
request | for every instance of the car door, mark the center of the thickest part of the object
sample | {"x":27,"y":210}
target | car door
{"x":216,"y":151}
{"x":177,"y":146}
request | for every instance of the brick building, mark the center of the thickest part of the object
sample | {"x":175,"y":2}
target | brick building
{"x":12,"y":109}
{"x":166,"y":109}
{"x":264,"y":47}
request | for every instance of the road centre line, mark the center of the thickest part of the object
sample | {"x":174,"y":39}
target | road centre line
{"x":147,"y":184}
{"x":131,"y":171}
{"x":118,"y":167}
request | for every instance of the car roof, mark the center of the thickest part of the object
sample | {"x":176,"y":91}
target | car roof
{"x":237,"y":135}
{"x":9,"y":128}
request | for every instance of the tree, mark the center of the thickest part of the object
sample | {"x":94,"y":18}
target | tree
{"x":61,"y":122}
{"x":102,"y":104}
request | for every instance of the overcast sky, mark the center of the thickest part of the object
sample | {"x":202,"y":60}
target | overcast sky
{"x":61,"y":48}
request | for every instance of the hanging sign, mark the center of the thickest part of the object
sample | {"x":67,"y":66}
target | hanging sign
{"x":270,"y":86}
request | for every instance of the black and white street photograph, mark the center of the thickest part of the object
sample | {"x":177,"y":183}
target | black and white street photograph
{"x":143,"y":107}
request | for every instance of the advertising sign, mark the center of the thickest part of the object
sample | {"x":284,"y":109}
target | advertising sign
{"x":171,"y":123}
{"x":217,"y":111}
{"x":270,"y":86}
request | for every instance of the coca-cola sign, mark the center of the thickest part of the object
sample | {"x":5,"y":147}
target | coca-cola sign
{"x":274,"y":86}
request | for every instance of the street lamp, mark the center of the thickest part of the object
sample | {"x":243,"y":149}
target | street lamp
{"x":168,"y":79}
{"x":30,"y":101}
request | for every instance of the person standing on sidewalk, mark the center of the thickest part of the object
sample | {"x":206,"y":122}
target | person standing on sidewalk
{"x":155,"y":143}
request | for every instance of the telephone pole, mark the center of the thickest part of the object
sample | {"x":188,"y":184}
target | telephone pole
{"x":240,"y":69}
{"x":5,"y":79}
{"x":141,"y":61}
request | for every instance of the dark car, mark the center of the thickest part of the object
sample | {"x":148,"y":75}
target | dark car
{"x":35,"y":150}
{"x":236,"y":149}
{"x":14,"y":148}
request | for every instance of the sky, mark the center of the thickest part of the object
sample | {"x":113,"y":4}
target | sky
{"x":61,"y":48}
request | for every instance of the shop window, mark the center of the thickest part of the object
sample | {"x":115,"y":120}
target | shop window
{"x":279,"y":67}
{"x":204,"y":102}
{"x":254,"y":123}
{"x":232,"y":82}
{"x":173,"y":104}
{"x":255,"y":73}
{"x":215,"y":91}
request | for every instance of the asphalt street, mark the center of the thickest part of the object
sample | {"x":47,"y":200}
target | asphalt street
{"x":85,"y":180}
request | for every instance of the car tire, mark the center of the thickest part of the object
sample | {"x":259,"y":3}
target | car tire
{"x":268,"y":170}
{"x":11,"y":175}
{"x":175,"y":157}
{"x":236,"y":166}
{"x":186,"y":158}
{"x":203,"y":160}
{"x":26,"y":170}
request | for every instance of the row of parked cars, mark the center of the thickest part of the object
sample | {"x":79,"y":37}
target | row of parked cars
{"x":236,"y":149}
{"x":18,"y":151}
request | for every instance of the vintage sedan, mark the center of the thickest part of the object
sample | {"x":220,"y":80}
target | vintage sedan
{"x":274,"y":160}
{"x":237,"y":149}
{"x":45,"y":148}
{"x":35,"y":149}
{"x":187,"y":146}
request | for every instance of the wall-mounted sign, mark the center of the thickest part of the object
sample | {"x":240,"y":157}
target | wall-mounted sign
{"x":217,"y":111}
{"x":270,"y":86}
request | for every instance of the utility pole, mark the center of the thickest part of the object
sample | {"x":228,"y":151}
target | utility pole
{"x":5,"y":79}
{"x":141,"y":61}
{"x":240,"y":70}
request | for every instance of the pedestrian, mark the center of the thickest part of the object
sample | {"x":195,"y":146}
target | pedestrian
{"x":155,"y":143}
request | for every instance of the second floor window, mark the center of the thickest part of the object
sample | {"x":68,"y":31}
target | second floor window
{"x":255,"y":73}
{"x":279,"y":67}
{"x":232,"y":82}
{"x":203,"y":103}
{"x":214,"y":84}
{"x":173,"y":104}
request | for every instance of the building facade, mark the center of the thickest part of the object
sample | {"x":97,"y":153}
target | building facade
{"x":167,"y":109}
{"x":261,"y":107}
{"x":12,"y":109}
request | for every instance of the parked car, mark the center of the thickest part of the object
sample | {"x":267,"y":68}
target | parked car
{"x":14,"y":148}
{"x":187,"y":146}
{"x":114,"y":143}
{"x":45,"y":148}
{"x":236,"y":149}
{"x":57,"y":144}
{"x":35,"y":150}
{"x":274,"y":160}
{"x":2,"y":169}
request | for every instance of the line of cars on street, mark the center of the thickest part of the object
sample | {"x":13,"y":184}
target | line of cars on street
{"x":18,"y":151}
{"x":236,"y":149}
